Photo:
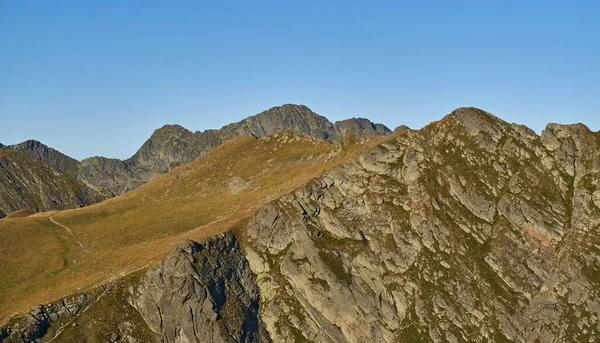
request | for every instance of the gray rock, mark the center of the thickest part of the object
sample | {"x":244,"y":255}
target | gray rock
{"x":202,"y":292}
{"x":34,"y":325}
{"x":471,"y":229}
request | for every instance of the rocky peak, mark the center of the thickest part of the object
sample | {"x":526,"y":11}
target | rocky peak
{"x":565,"y":131}
{"x":467,"y":230}
{"x":164,"y":149}
{"x":359,"y":127}
{"x":169,"y":130}
{"x":475,"y":120}
{"x":297,"y":118}
{"x":48,"y":155}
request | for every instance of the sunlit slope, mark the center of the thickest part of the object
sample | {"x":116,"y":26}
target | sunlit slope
{"x":54,"y":254}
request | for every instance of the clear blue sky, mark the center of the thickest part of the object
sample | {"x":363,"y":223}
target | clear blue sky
{"x":97,"y":77}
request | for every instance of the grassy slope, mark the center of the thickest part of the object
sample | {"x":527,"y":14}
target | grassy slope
{"x":42,"y":262}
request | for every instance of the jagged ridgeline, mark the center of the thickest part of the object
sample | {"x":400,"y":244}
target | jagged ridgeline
{"x":173,"y":145}
{"x":470,"y":229}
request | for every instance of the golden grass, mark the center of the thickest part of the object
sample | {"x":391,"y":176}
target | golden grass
{"x":5,"y":152}
{"x":139,"y":228}
{"x":35,"y":254}
{"x":21,"y":213}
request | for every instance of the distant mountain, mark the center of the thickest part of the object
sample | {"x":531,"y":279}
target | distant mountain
{"x":26,"y":183}
{"x":173,"y":145}
{"x":49,"y":155}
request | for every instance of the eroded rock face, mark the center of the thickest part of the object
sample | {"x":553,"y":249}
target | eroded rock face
{"x":35,"y":325}
{"x":470,"y":229}
{"x":202,"y":292}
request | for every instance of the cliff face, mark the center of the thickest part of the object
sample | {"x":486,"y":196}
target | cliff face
{"x":201,"y":292}
{"x":26,"y":183}
{"x":172,"y":146}
{"x":470,"y":229}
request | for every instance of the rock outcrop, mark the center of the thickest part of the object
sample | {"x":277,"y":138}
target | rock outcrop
{"x":37,"y":324}
{"x":49,"y":155}
{"x":202,"y":292}
{"x":471,"y":229}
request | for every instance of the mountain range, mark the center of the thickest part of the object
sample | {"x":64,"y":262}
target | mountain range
{"x":470,"y":229}
{"x":172,"y":145}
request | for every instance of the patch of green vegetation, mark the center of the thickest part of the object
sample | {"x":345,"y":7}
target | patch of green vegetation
{"x":110,"y":314}
{"x":66,"y":248}
{"x":321,"y":283}
{"x":329,"y":243}
{"x":274,"y":260}
{"x":411,"y":332}
{"x":476,"y":249}
{"x":548,"y":189}
{"x":591,"y":271}
{"x":389,"y":242}
{"x":570,"y":181}
{"x":335,"y":265}
{"x":500,"y":338}
{"x":298,"y":336}
{"x":396,"y":211}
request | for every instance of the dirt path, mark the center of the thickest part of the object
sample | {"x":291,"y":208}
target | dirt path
{"x":72,"y":236}
{"x":62,"y":327}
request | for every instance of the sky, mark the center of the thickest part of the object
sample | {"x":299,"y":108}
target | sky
{"x":98,"y":77}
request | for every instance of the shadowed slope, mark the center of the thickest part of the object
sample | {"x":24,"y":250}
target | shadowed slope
{"x":26,"y":183}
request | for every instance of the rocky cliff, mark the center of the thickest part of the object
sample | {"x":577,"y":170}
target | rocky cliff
{"x":471,"y":229}
{"x":26,"y":183}
{"x":173,"y":145}
{"x":201,"y":292}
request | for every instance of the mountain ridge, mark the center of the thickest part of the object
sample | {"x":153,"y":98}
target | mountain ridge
{"x":173,"y":145}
